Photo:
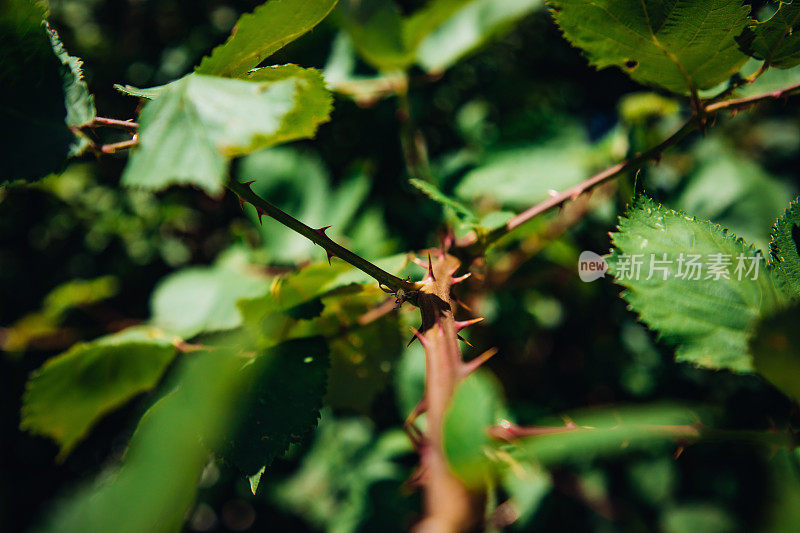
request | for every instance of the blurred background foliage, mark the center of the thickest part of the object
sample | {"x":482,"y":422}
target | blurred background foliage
{"x":518,"y":116}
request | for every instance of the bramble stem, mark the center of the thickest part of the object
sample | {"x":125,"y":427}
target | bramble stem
{"x":317,"y":236}
{"x":710,"y":110}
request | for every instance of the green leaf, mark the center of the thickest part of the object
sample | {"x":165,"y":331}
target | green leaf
{"x":776,"y":40}
{"x":520,"y":177}
{"x":203,"y":299}
{"x":79,"y":101}
{"x":468,"y":29}
{"x":259,"y":34}
{"x":332,"y":488}
{"x":477,"y":404}
{"x":384,"y":38}
{"x":313,"y":200}
{"x":196,"y":124}
{"x":72,"y":391}
{"x":786,"y":248}
{"x":279,"y":402}
{"x":157,"y":482}
{"x":776,"y":351}
{"x":376,"y":28}
{"x":464,"y":214}
{"x":43,"y":94}
{"x":709,"y":319}
{"x":733,"y":191}
{"x":681,"y":46}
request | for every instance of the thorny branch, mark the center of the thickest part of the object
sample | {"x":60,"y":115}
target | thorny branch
{"x":318,"y":236}
{"x":709,"y":111}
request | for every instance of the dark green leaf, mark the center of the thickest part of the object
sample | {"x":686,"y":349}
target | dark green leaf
{"x":72,"y":391}
{"x":776,"y":351}
{"x":776,"y":40}
{"x":786,"y":248}
{"x":35,"y":111}
{"x":278,"y":403}
{"x":157,"y":482}
{"x":681,"y":46}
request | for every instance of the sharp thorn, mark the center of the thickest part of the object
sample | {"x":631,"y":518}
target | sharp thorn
{"x":417,"y":335}
{"x":462,"y":304}
{"x":321,"y":231}
{"x":465,"y":341}
{"x":248,"y":184}
{"x":330,"y":255}
{"x":474,"y":364}
{"x":241,"y":202}
{"x":430,"y":268}
{"x":459,"y":279}
{"x":419,"y":262}
{"x":261,"y":213}
{"x":461,"y":324}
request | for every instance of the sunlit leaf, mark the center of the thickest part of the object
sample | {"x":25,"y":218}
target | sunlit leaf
{"x":196,"y":124}
{"x":468,"y":29}
{"x":704,"y":303}
{"x":259,"y":34}
{"x":199,"y":299}
{"x":680,"y":46}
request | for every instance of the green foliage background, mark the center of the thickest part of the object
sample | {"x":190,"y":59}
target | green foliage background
{"x":519,"y":116}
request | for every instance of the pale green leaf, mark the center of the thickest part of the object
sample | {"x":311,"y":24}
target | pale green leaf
{"x":259,"y":34}
{"x":709,"y":319}
{"x":521,"y":177}
{"x":680,"y":45}
{"x":196,"y":124}
{"x":72,"y":391}
{"x":786,"y":248}
{"x":776,"y":40}
{"x":468,"y":29}
{"x":203,"y":299}
{"x":384,"y":37}
{"x":477,"y":404}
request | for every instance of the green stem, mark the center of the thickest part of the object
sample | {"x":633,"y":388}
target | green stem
{"x":317,"y":236}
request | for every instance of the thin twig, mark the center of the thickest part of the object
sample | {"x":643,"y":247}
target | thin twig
{"x":633,"y":163}
{"x":318,"y":236}
{"x":114,"y":123}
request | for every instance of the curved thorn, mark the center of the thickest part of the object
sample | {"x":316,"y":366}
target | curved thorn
{"x":465,"y":341}
{"x":459,"y":279}
{"x":461,"y":324}
{"x":430,"y":268}
{"x":471,"y":366}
